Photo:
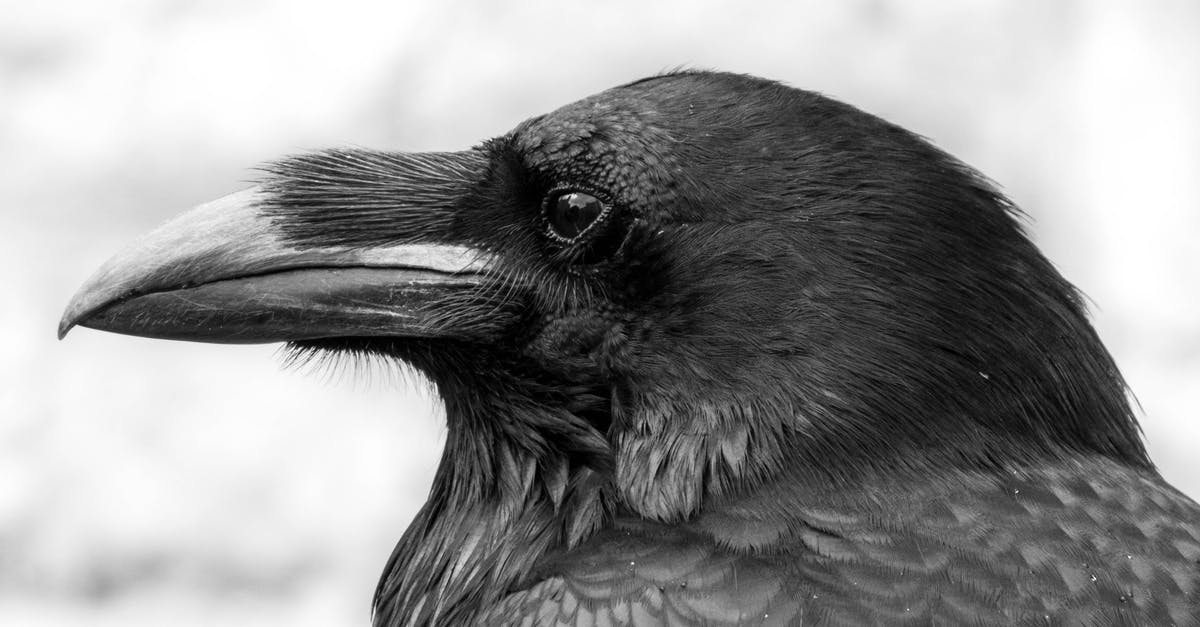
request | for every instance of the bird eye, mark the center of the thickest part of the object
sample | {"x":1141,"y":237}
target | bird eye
{"x":571,"y":213}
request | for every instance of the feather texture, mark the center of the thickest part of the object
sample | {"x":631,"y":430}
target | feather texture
{"x":801,"y":367}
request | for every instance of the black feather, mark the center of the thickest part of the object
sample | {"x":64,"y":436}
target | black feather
{"x":816,"y":371}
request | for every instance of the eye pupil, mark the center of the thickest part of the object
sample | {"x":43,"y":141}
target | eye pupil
{"x":571,"y":214}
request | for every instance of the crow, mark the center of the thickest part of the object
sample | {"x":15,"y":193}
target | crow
{"x":713,"y":350}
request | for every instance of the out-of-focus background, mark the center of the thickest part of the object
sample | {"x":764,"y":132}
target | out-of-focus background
{"x":146,"y":482}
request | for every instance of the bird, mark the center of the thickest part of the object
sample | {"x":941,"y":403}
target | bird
{"x":713,"y":350}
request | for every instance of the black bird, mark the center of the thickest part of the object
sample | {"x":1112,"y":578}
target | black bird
{"x":713,"y":350}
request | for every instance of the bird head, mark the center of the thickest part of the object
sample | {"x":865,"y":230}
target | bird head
{"x":692,"y":283}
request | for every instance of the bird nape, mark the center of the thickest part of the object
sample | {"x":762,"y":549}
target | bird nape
{"x":713,"y":350}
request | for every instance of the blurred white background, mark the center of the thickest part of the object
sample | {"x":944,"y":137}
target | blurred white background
{"x":146,"y":482}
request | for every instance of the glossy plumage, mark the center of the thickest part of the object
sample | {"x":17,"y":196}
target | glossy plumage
{"x":1068,"y":544}
{"x":800,"y":368}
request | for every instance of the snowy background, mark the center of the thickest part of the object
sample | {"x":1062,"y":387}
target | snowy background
{"x":153,"y":483}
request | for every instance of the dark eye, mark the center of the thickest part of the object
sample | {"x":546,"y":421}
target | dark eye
{"x":571,"y":213}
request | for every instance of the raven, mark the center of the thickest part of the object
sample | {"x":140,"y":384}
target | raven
{"x":712,"y":350}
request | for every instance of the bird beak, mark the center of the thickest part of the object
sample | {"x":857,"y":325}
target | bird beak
{"x":224,"y":273}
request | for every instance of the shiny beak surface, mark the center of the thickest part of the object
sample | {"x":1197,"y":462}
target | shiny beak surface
{"x":222,"y":273}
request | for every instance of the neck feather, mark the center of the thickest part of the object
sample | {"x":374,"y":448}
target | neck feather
{"x":517,"y":480}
